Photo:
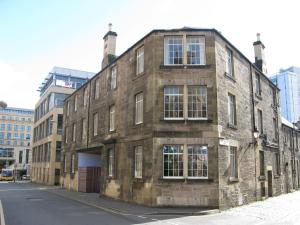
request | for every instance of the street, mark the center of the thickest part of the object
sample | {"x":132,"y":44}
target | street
{"x":25,"y":204}
{"x":28,"y":204}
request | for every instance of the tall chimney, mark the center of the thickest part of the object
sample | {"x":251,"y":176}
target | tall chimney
{"x":109,"y":50}
{"x":259,"y":53}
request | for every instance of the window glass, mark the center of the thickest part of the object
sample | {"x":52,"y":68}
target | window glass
{"x":173,"y":50}
{"x":197,"y":102}
{"x":173,"y":160}
{"x":138,"y":151}
{"x":195,"y":50}
{"x":197,"y":161}
{"x":173,"y":102}
{"x":140,"y":60}
{"x":139,"y":108}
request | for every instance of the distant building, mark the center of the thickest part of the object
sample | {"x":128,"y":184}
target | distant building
{"x":288,"y":81}
{"x":48,"y":122}
{"x":15,"y":137}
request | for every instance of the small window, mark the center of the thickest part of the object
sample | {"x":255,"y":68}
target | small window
{"x":173,"y":102}
{"x":74,"y":132}
{"x":140,"y":60}
{"x":85,"y":97}
{"x":97,"y":88}
{"x":276,"y":164}
{"x":262,"y":163}
{"x":257,"y":84}
{"x":232,"y":110}
{"x":228,"y":63}
{"x":173,"y":50}
{"x":112,"y":118}
{"x":138,"y":169}
{"x":83,"y":129}
{"x":75,"y":103}
{"x":260,"y":121}
{"x":139,"y":108}
{"x":65,"y":163}
{"x":95,"y":124}
{"x":66,"y":134}
{"x":110,"y":162}
{"x":173,"y":161}
{"x":73,"y":163}
{"x":233,"y":162}
{"x":68,"y":108}
{"x":113,"y":78}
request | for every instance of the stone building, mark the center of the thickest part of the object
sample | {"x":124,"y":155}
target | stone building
{"x":48,"y":122}
{"x":181,"y":118}
{"x":15,"y":138}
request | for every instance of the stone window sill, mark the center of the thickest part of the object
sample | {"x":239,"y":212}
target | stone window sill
{"x":262,"y":177}
{"x":233,"y":179}
{"x":230,"y":77}
{"x":181,"y":66}
{"x":232,"y":126}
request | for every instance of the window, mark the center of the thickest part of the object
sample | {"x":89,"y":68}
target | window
{"x":97,"y":88}
{"x":68,"y":108}
{"x":113,"y":78}
{"x":140,"y":60}
{"x":2,"y":126}
{"x":228,"y":63}
{"x":231,"y":110}
{"x":22,"y":128}
{"x":274,"y":97}
{"x":95,"y":119}
{"x":138,"y":165}
{"x":73,"y":163}
{"x":276,"y":164}
{"x":197,"y":102}
{"x":29,"y":127}
{"x":197,"y":161}
{"x":16,"y":127}
{"x":173,"y":161}
{"x":15,"y":143}
{"x":195,"y":50}
{"x":262,"y":163}
{"x":8,"y":135}
{"x":20,"y":157}
{"x":74,"y":133}
{"x":233,"y":162}
{"x":66,"y":134}
{"x":257,"y":84}
{"x":22,"y":136}
{"x":275,"y":126}
{"x":112,"y":118}
{"x":9,"y":127}
{"x":16,"y":135}
{"x":85,"y":97}
{"x":139,"y":108}
{"x":173,"y":50}
{"x":1,"y":135}
{"x":110,"y":162}
{"x":65,"y":163}
{"x":27,"y":136}
{"x":83,"y":129}
{"x":260,"y":121}
{"x":75,"y":103}
{"x":173,"y":102}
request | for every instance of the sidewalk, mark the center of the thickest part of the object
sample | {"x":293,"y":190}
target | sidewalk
{"x":119,"y":207}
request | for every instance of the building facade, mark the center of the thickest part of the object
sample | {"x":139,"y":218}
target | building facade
{"x":48,"y":122}
{"x":15,"y":138}
{"x":288,"y":81}
{"x":182,"y":118}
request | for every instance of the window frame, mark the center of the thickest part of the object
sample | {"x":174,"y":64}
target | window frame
{"x":139,"y":108}
{"x":181,"y":153}
{"x":110,"y":162}
{"x":95,"y":124}
{"x":113,"y":78}
{"x":180,"y":96}
{"x":167,"y":52}
{"x":204,"y":160}
{"x":138,"y":162}
{"x":75,"y":103}
{"x":229,"y":69}
{"x":232,"y":113}
{"x":197,"y":96}
{"x":72,"y":164}
{"x":257,"y":84}
{"x":233,"y":162}
{"x":97,"y":88}
{"x":140,"y":60}
{"x":260,"y":124}
{"x":201,"y":49}
{"x":112,"y":118}
{"x":74,"y":133}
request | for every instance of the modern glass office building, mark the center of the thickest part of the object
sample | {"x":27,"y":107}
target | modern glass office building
{"x":48,"y":122}
{"x":288,"y":81}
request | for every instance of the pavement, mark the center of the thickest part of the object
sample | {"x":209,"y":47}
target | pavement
{"x":120,"y":207}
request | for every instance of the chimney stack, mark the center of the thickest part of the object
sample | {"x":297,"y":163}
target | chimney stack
{"x":109,"y":50}
{"x":259,"y":53}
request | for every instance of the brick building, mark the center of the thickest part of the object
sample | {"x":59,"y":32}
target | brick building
{"x":181,"y":118}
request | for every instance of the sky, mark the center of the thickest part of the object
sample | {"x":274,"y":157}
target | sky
{"x":36,"y":35}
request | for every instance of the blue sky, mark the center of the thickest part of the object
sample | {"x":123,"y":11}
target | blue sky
{"x":37,"y":35}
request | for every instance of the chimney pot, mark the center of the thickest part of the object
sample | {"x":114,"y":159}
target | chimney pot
{"x":258,"y":36}
{"x":109,"y":26}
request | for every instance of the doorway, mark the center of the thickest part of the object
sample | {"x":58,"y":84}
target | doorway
{"x":270,"y":185}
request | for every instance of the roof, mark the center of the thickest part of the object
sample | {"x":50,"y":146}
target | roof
{"x":71,"y":72}
{"x":286,"y":122}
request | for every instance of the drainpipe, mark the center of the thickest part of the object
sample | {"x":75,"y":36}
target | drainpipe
{"x":253,"y":128}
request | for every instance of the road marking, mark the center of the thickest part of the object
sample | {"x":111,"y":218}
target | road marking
{"x":2,"y":220}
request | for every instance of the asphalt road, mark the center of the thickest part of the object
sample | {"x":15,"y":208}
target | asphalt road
{"x":33,"y":205}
